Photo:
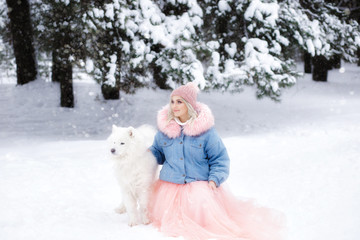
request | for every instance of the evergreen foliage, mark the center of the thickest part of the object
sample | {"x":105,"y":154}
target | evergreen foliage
{"x":225,"y":44}
{"x":7,"y":58}
{"x":131,"y":38}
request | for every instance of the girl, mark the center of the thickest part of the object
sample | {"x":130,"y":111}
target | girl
{"x":189,"y":199}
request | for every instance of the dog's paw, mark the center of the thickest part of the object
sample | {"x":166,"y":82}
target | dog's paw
{"x":120,"y":210}
{"x":132,"y":223}
{"x":146,"y":220}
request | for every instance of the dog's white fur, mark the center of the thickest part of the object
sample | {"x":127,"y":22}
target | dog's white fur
{"x":135,"y":169}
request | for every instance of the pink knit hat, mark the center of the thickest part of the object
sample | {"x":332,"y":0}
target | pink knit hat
{"x":188,"y":92}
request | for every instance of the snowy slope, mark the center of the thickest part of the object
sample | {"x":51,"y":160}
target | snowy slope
{"x":300,"y":156}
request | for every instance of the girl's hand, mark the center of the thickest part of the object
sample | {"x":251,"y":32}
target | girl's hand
{"x":212,"y":185}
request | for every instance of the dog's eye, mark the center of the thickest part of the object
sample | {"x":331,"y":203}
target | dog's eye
{"x":122,"y":143}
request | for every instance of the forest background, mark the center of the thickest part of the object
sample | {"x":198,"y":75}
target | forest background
{"x":129,"y":44}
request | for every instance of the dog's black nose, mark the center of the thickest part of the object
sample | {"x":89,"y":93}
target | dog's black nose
{"x":112,"y":150}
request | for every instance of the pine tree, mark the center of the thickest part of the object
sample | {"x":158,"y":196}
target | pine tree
{"x":59,"y":31}
{"x":110,"y":42}
{"x":251,"y":50}
{"x":328,"y":33}
{"x":133,"y":40}
{"x":351,"y":8}
{"x":168,"y":8}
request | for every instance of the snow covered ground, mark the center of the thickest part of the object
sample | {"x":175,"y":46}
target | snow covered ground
{"x":300,"y":156}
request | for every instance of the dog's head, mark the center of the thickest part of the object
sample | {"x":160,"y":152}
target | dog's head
{"x":120,"y":140}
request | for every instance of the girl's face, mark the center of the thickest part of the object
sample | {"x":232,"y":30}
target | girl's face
{"x":179,"y":108}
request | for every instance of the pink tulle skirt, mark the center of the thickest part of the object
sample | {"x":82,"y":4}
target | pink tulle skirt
{"x":197,"y":212}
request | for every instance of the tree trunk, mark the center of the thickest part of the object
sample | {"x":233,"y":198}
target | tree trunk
{"x":160,"y":79}
{"x":110,"y":92}
{"x":56,"y":63}
{"x":307,"y":62}
{"x":62,"y":70}
{"x":321,"y":66}
{"x":21,"y":30}
{"x":358,"y":54}
{"x":66,"y":84}
{"x":335,"y":61}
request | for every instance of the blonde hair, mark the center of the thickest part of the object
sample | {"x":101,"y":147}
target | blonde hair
{"x":191,"y":111}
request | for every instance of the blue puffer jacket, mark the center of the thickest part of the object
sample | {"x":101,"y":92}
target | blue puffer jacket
{"x":192,"y":153}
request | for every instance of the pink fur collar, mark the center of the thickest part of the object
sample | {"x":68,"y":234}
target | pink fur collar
{"x":201,"y":124}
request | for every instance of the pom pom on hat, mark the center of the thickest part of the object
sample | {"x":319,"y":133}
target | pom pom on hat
{"x":188,"y":92}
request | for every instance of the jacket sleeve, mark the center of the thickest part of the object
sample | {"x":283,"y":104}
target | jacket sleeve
{"x":218,"y":158}
{"x":157,"y":150}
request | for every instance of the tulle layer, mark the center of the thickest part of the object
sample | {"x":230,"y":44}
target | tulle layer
{"x":197,"y":212}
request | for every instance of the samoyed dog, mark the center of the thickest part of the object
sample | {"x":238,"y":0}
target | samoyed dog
{"x":135,"y":169}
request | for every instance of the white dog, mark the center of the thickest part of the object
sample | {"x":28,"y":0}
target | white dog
{"x":135,"y":168}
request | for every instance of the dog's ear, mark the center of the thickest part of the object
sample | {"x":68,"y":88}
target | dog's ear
{"x":131,"y":132}
{"x":114,"y":127}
